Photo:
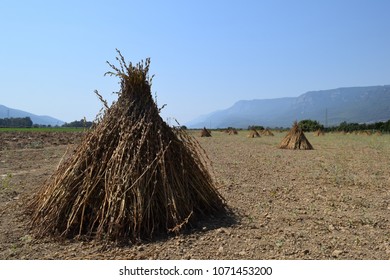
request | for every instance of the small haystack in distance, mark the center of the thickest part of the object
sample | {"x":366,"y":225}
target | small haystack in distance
{"x":267,"y":132}
{"x":205,"y":132}
{"x":366,"y":132}
{"x":319,"y":132}
{"x":231,"y":131}
{"x":253,"y":133}
{"x":295,"y":139}
{"x":133,"y":177}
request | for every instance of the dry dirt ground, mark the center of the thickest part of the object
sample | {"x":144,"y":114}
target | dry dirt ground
{"x":329,"y":203}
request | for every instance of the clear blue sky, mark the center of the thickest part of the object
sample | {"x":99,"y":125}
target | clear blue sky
{"x":205,"y":55}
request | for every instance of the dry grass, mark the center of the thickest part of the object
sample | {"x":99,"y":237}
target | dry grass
{"x":205,"y":133}
{"x":132,"y":176}
{"x":232,"y":132}
{"x":267,"y":132}
{"x":319,"y":132}
{"x":253,"y":134}
{"x":295,"y":140}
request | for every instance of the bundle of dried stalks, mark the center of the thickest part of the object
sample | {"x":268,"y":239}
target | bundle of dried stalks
{"x":319,"y":132}
{"x":205,"y":132}
{"x":267,"y":132}
{"x":132,"y":177}
{"x":253,"y":133}
{"x":295,"y":139}
{"x":232,"y":132}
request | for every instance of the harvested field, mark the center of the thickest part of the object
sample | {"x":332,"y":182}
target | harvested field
{"x":329,"y":203}
{"x":12,"y":140}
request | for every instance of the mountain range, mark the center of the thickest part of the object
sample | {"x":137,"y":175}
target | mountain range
{"x":6,"y":112}
{"x":329,"y":107}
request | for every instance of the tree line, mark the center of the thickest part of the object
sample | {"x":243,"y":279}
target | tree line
{"x":306,"y":125}
{"x":313,"y":125}
{"x":16,"y":122}
{"x":310,"y":125}
{"x":81,"y":123}
{"x":28,"y":123}
{"x":349,"y":127}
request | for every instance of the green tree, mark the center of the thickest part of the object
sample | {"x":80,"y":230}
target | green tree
{"x":16,"y":122}
{"x":81,"y":123}
{"x":256,"y":127}
{"x":310,"y":125}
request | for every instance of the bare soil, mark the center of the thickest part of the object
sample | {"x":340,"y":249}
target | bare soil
{"x":329,"y":203}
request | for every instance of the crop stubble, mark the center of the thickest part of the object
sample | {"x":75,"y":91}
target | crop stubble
{"x":327,"y":203}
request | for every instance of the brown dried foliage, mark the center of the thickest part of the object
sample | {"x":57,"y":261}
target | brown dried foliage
{"x":267,"y":132}
{"x":319,"y":132}
{"x":253,"y":133}
{"x":132,"y":177}
{"x":205,"y":133}
{"x":295,"y":139}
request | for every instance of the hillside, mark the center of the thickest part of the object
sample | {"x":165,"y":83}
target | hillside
{"x":6,"y":112}
{"x":331,"y":107}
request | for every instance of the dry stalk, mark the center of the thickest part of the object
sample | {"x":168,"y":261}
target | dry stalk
{"x":295,"y":139}
{"x":132,"y":176}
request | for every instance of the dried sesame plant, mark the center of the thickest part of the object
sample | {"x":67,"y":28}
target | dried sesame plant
{"x":295,"y":140}
{"x":253,"y":134}
{"x":205,"y":132}
{"x":132,"y":177}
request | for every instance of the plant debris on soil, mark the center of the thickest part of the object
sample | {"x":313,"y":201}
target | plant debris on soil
{"x":329,"y":203}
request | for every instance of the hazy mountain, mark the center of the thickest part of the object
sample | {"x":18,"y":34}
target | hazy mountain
{"x":352,"y":104}
{"x":6,"y":112}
